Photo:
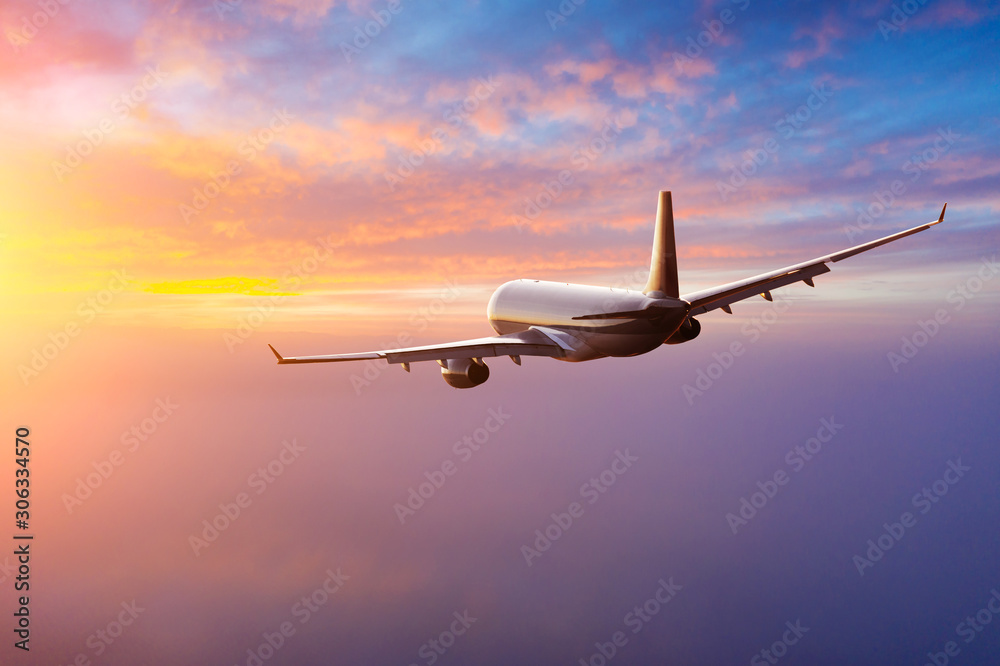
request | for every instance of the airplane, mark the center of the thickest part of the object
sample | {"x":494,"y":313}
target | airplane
{"x":573,"y":322}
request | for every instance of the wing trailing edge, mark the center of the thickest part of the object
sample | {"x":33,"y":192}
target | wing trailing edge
{"x":525,"y":343}
{"x":725,"y":295}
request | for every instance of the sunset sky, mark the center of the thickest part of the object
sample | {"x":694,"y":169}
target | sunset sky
{"x":184,"y":182}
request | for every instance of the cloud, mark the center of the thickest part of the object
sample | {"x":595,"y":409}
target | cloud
{"x":823,"y":38}
{"x":222,"y":285}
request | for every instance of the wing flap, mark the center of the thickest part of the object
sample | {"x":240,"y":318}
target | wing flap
{"x":482,"y":350}
{"x":727,"y":294}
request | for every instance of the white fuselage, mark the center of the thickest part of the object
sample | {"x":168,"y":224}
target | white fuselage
{"x":522,"y":304}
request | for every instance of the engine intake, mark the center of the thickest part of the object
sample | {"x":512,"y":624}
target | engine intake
{"x":464,"y":372}
{"x":688,"y":331}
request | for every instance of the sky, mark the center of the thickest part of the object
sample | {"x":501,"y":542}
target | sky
{"x":810,"y":481}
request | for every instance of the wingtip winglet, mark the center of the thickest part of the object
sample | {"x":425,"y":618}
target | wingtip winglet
{"x":941,"y":219}
{"x":276,"y":354}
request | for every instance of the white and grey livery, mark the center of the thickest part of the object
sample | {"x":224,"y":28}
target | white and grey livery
{"x":573,"y":322}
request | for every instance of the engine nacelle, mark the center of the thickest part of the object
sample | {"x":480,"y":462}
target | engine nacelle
{"x":464,"y":372}
{"x":689,"y":330}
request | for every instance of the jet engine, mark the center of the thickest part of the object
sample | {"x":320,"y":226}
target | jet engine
{"x":689,"y":330}
{"x":464,"y":372}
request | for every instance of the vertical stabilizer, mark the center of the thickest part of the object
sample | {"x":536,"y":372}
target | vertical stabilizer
{"x":663,"y":265}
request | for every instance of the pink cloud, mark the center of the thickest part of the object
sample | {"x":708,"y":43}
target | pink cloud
{"x":726,"y":105}
{"x":858,"y":168}
{"x":958,"y":11}
{"x":586,"y":72}
{"x":823,"y":37}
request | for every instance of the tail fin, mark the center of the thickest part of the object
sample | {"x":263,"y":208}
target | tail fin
{"x":663,"y":265}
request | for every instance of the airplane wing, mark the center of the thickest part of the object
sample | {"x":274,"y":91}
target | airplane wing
{"x":533,"y":342}
{"x":723,"y":296}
